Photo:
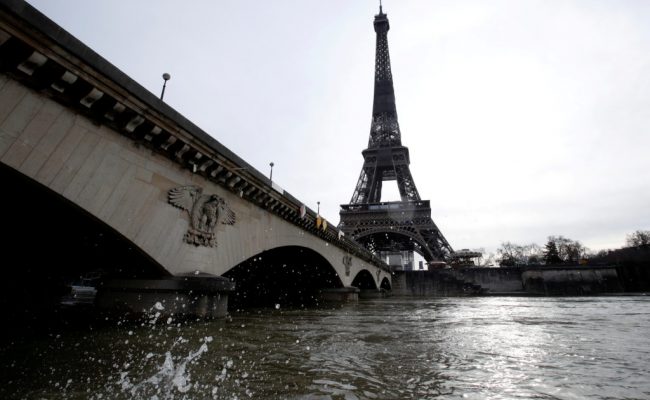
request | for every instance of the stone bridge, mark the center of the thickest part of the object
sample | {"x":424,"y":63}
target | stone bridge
{"x":82,"y":133}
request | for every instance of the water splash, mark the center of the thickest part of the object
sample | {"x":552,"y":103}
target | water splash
{"x":171,"y":379}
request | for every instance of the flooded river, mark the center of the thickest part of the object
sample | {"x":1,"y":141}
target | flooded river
{"x":475,"y":348}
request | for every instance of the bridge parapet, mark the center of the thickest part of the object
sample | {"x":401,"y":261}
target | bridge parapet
{"x":42,"y":56}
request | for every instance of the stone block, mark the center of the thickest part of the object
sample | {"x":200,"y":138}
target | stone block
{"x":131,"y":205}
{"x":135,"y":154}
{"x":21,"y":114}
{"x":59,"y":156}
{"x":3,"y":80}
{"x":74,"y":163}
{"x":143,"y":175}
{"x":109,"y":173}
{"x":118,"y":193}
{"x":149,"y":196}
{"x":47,"y":145}
{"x":87,"y":176}
{"x":11,"y":95}
{"x":168,"y":244}
{"x":6,"y":141}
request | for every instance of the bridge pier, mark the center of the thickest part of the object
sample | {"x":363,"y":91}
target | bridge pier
{"x":372,"y":293}
{"x":196,"y":295}
{"x":348,"y":294}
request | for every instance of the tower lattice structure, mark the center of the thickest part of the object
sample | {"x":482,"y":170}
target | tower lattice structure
{"x":404,"y":225}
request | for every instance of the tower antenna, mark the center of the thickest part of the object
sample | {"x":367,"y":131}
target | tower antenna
{"x":380,"y":11}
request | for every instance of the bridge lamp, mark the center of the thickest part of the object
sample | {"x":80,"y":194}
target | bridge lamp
{"x":318,"y":204}
{"x":271,"y":176}
{"x":165,"y":77}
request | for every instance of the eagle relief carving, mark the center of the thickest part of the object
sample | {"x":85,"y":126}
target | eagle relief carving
{"x":205,"y":212}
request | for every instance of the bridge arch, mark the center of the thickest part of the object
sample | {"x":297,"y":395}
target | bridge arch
{"x":44,"y":230}
{"x":364,"y":280}
{"x":287,"y":276}
{"x":385,"y":285}
{"x":105,"y":144}
{"x":126,"y":188}
{"x":49,"y":242}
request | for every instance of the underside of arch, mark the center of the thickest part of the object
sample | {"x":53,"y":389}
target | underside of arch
{"x":364,"y":280}
{"x":49,"y":243}
{"x":288,"y":276}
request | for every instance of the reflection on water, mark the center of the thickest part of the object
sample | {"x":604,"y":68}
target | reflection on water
{"x":477,"y":348}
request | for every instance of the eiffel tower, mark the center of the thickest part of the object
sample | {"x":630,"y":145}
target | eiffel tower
{"x":396,"y":226}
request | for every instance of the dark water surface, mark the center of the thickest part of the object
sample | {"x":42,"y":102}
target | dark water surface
{"x":475,"y":348}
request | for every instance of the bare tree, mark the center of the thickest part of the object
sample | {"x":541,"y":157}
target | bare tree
{"x":510,"y":254}
{"x":557,"y":250}
{"x":638,"y":238}
{"x":533,"y":254}
{"x":486,"y":259}
{"x":601,"y":253}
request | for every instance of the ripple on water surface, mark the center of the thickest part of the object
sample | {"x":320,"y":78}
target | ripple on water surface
{"x":500,"y":348}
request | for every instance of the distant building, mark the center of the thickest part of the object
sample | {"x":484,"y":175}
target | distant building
{"x":399,"y":260}
{"x":465,"y":258}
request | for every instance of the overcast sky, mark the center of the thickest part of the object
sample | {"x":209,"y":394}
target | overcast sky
{"x":524,"y":118}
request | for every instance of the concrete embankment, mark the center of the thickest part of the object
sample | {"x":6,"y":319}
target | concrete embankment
{"x":539,"y":280}
{"x":571,"y":280}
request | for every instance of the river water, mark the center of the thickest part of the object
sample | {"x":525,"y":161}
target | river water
{"x":474,"y":348}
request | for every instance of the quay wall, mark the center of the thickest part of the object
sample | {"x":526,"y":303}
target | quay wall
{"x":542,"y":280}
{"x":491,"y":279}
{"x":425,"y":284}
{"x":571,"y":281}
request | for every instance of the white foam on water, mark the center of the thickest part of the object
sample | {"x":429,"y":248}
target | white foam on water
{"x":170,"y":379}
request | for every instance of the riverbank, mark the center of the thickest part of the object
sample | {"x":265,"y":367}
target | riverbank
{"x":523,"y":281}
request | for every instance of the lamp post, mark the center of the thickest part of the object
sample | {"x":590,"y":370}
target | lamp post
{"x":318,"y":203}
{"x":165,"y":77}
{"x":271,"y":175}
